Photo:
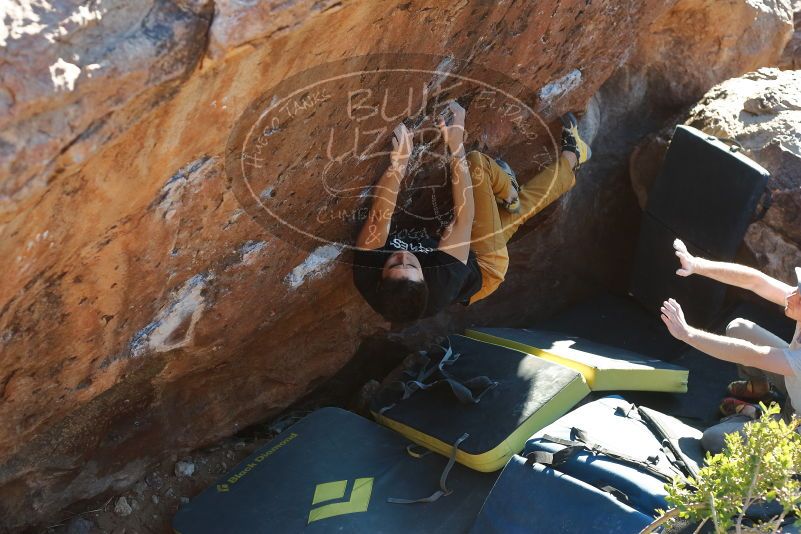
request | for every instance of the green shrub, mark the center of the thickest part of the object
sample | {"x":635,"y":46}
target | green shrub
{"x":762,"y":466}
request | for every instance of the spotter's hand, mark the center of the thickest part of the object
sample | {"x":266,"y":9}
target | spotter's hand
{"x":689,"y":263}
{"x":673,"y":317}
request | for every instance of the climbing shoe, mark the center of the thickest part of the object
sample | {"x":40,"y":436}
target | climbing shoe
{"x":572,"y":141}
{"x":514,"y":205}
{"x":731,"y":406}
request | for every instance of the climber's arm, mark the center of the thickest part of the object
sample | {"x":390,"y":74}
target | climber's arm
{"x":375,"y":230}
{"x":456,"y":238}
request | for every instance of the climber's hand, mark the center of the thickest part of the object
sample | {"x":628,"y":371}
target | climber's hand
{"x":402,"y":145}
{"x":673,"y":317}
{"x":689,"y":263}
{"x":453,"y":134}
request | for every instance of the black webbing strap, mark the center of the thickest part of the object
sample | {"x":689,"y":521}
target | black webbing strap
{"x":616,"y":493}
{"x":649,"y":465}
{"x":408,"y":387}
{"x":582,"y":443}
{"x":619,"y":411}
{"x":463,"y":390}
{"x":417,"y":451}
{"x":559,"y":457}
{"x":671,"y":450}
{"x":554,"y":458}
{"x":443,"y":478}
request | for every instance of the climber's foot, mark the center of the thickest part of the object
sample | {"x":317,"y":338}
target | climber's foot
{"x":572,"y":141}
{"x":512,"y":202}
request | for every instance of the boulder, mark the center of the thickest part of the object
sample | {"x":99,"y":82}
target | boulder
{"x":698,"y":43}
{"x":145,"y":312}
{"x":791,"y":58}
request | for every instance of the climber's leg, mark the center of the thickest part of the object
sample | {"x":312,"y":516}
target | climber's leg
{"x":551,"y":183}
{"x":489,"y":183}
{"x":539,"y":192}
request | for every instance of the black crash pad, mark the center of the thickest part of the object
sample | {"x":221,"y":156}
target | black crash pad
{"x":529,"y":393}
{"x":706,"y":191}
{"x":333,"y":472}
{"x":705,"y":195}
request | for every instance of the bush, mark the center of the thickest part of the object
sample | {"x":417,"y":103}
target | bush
{"x":761,"y":467}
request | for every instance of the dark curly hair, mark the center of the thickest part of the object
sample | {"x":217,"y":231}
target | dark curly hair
{"x":402,"y":301}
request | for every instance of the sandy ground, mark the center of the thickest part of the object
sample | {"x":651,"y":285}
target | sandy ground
{"x":149,"y":506}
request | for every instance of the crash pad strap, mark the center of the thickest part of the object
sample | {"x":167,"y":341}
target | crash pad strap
{"x":672,"y":451}
{"x":417,"y":451}
{"x":616,"y":493}
{"x":554,"y":458}
{"x":583,"y":443}
{"x":462,"y":389}
{"x":443,"y":488}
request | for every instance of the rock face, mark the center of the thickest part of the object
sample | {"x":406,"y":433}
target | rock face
{"x":728,"y":36}
{"x":144,"y":312}
{"x":762,"y":112}
{"x":791,"y":58}
{"x":74,"y":76}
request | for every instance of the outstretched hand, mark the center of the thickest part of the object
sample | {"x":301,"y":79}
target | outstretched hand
{"x":453,"y":134}
{"x":688,"y":261}
{"x":402,"y":144}
{"x":673,"y":317}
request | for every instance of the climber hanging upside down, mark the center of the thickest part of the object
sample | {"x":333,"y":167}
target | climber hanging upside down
{"x":405,"y":279}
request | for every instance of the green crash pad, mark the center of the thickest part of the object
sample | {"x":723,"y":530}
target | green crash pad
{"x":334,"y":471}
{"x":529,"y":393}
{"x":604,"y":368}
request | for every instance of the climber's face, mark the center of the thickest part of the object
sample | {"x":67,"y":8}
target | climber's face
{"x":792,"y":308}
{"x":402,"y":265}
